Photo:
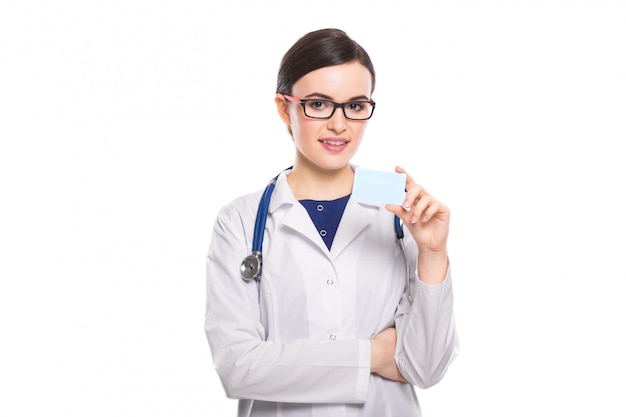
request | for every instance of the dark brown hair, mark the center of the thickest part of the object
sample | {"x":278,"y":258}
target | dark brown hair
{"x":319,"y":49}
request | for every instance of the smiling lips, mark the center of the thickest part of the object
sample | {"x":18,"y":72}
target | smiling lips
{"x":334,"y":144}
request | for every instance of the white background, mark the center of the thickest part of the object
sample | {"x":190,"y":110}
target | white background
{"x":126,"y":124}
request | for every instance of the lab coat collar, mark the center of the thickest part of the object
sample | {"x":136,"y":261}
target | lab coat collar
{"x":357,"y":217}
{"x":282,"y":193}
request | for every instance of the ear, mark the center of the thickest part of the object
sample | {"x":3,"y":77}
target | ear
{"x":283,"y":109}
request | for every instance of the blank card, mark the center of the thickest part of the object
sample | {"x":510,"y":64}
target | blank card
{"x":378,"y":187}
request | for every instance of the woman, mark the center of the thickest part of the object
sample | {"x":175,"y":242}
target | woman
{"x":329,"y":329}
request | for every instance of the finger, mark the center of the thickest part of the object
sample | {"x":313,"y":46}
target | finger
{"x":413,"y":195}
{"x":422,"y":205}
{"x":433,"y":209}
{"x":409,"y":179}
{"x":399,"y":211}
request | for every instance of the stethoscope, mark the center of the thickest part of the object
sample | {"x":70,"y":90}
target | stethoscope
{"x":252,"y":265}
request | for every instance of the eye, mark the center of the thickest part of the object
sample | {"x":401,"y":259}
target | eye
{"x":317,"y":105}
{"x":356,"y":106}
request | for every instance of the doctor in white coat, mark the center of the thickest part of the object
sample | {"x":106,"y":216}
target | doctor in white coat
{"x":329,"y":330}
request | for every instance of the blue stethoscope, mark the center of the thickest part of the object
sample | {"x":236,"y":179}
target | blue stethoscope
{"x":252,"y":265}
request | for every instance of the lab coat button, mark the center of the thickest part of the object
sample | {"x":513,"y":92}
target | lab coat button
{"x":330,"y":282}
{"x":333,"y":337}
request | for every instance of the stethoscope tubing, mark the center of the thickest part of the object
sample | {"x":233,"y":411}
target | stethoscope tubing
{"x":261,"y":216}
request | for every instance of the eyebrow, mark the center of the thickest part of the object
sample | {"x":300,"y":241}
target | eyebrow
{"x":326,"y":97}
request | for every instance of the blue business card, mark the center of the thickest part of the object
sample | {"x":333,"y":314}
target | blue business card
{"x":378,"y":187}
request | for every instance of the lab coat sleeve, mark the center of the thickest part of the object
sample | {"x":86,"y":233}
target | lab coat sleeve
{"x":427,"y":339}
{"x":251,"y":367}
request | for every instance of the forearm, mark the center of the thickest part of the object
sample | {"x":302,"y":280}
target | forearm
{"x":303,"y":371}
{"x":432,"y":266}
{"x":427,"y":339}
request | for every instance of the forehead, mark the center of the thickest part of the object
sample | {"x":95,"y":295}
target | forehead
{"x":338,"y":82}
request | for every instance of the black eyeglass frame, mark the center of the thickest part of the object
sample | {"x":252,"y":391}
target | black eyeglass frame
{"x":342,"y":106}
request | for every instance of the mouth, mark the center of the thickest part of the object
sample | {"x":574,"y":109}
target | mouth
{"x":334,"y":142}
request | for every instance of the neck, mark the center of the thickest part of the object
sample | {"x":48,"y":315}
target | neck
{"x":314,"y":183}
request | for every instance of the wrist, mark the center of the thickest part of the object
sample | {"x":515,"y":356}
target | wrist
{"x":436,"y":251}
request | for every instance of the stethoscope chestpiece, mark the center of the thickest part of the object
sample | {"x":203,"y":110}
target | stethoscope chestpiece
{"x":251,"y":266}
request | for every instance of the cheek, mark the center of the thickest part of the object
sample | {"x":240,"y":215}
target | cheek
{"x":300,"y":126}
{"x":360,"y":131}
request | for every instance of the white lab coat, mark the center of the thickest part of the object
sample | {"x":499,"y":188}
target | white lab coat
{"x":297,"y":343}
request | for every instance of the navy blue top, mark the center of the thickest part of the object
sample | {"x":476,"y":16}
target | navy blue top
{"x":326,"y":215}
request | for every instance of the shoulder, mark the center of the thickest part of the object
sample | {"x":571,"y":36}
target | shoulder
{"x":242,"y":208}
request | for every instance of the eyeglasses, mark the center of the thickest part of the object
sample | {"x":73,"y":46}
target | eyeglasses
{"x":316,"y":108}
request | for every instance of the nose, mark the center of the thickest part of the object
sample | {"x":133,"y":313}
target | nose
{"x":337,"y":122}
